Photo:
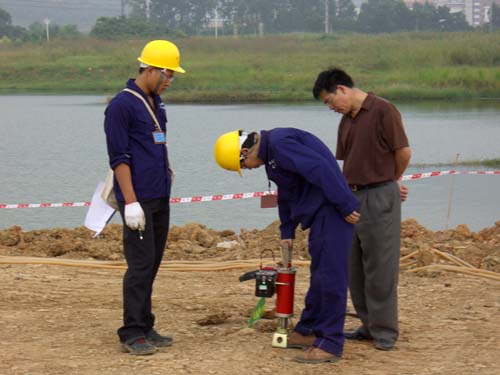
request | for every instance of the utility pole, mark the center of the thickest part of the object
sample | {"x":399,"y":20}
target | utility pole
{"x":491,"y":17}
{"x":327,"y":16}
{"x":148,"y":9}
{"x":216,"y":20}
{"x":122,"y":8}
{"x":47,"y":23}
{"x":235,"y":27}
{"x":261,"y":29}
{"x":450,"y":196}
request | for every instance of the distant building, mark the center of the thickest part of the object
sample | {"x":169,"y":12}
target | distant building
{"x":476,"y":11}
{"x":455,"y":6}
{"x":409,"y":3}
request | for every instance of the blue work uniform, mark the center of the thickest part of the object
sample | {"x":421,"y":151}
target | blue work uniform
{"x":129,"y":131}
{"x":129,"y":136}
{"x":312,"y":191}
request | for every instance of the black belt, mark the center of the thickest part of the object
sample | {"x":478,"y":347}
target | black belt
{"x":369,"y":186}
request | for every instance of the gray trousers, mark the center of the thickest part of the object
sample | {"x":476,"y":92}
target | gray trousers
{"x":374,"y":261}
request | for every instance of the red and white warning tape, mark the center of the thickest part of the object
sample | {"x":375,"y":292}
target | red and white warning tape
{"x":223,"y":197}
{"x":45,"y":205}
{"x":417,"y":176}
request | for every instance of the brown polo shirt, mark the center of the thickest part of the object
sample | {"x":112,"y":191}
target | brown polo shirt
{"x":367,"y":142}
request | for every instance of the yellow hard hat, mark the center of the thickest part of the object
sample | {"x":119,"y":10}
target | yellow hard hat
{"x":161,"y":54}
{"x":227,"y":151}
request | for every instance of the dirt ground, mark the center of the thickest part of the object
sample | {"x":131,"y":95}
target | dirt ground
{"x":63,"y":320}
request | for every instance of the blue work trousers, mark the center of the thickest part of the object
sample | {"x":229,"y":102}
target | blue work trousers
{"x":325,"y":304}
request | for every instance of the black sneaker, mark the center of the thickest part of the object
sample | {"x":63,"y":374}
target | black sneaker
{"x":357,"y":334}
{"x":158,"y":340}
{"x":138,"y":346}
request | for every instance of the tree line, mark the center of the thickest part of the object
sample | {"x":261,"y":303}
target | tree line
{"x":195,"y":17}
{"x":150,"y":18}
{"x":35,"y":32}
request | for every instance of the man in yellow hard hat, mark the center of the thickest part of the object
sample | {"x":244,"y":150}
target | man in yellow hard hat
{"x":313,"y":192}
{"x":136,"y":136}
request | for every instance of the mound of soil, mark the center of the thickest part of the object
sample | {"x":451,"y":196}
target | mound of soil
{"x":195,"y":241}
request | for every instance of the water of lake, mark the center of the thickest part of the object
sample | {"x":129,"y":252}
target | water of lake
{"x":53,"y":150}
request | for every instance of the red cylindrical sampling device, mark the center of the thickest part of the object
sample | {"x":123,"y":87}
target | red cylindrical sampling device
{"x":285,"y":287}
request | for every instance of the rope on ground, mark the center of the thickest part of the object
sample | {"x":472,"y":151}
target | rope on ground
{"x":178,"y":266}
{"x":407,"y":263}
{"x":473,"y":272}
{"x":459,"y":265}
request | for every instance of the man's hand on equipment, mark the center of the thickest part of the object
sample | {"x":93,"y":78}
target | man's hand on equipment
{"x":134,"y":216}
{"x":353,"y":217}
{"x":403,"y":192}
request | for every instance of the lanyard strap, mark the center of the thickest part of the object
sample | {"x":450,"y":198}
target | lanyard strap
{"x":139,"y":96}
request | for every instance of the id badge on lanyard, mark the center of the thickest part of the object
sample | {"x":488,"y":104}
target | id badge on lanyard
{"x":159,"y":138}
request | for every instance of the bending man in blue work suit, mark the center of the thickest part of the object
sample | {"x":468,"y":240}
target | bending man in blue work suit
{"x":311,"y":191}
{"x":135,"y":126}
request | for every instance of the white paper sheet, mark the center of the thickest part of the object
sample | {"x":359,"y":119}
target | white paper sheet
{"x":99,"y":212}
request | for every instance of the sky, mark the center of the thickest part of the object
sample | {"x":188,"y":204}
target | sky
{"x":82,"y":13}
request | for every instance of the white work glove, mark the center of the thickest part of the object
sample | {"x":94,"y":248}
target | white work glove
{"x":134,"y":216}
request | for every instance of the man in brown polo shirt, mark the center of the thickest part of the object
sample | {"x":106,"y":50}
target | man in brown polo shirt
{"x":375,"y":150}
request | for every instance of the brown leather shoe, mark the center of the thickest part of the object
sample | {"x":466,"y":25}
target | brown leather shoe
{"x":316,"y":355}
{"x":297,"y":341}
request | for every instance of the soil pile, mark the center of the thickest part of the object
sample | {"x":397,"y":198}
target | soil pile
{"x":195,"y":241}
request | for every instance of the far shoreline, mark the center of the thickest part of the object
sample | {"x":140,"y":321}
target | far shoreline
{"x":230,"y":98}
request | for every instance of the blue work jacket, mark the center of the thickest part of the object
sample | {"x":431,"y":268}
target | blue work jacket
{"x":129,"y":131}
{"x":307,"y":175}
